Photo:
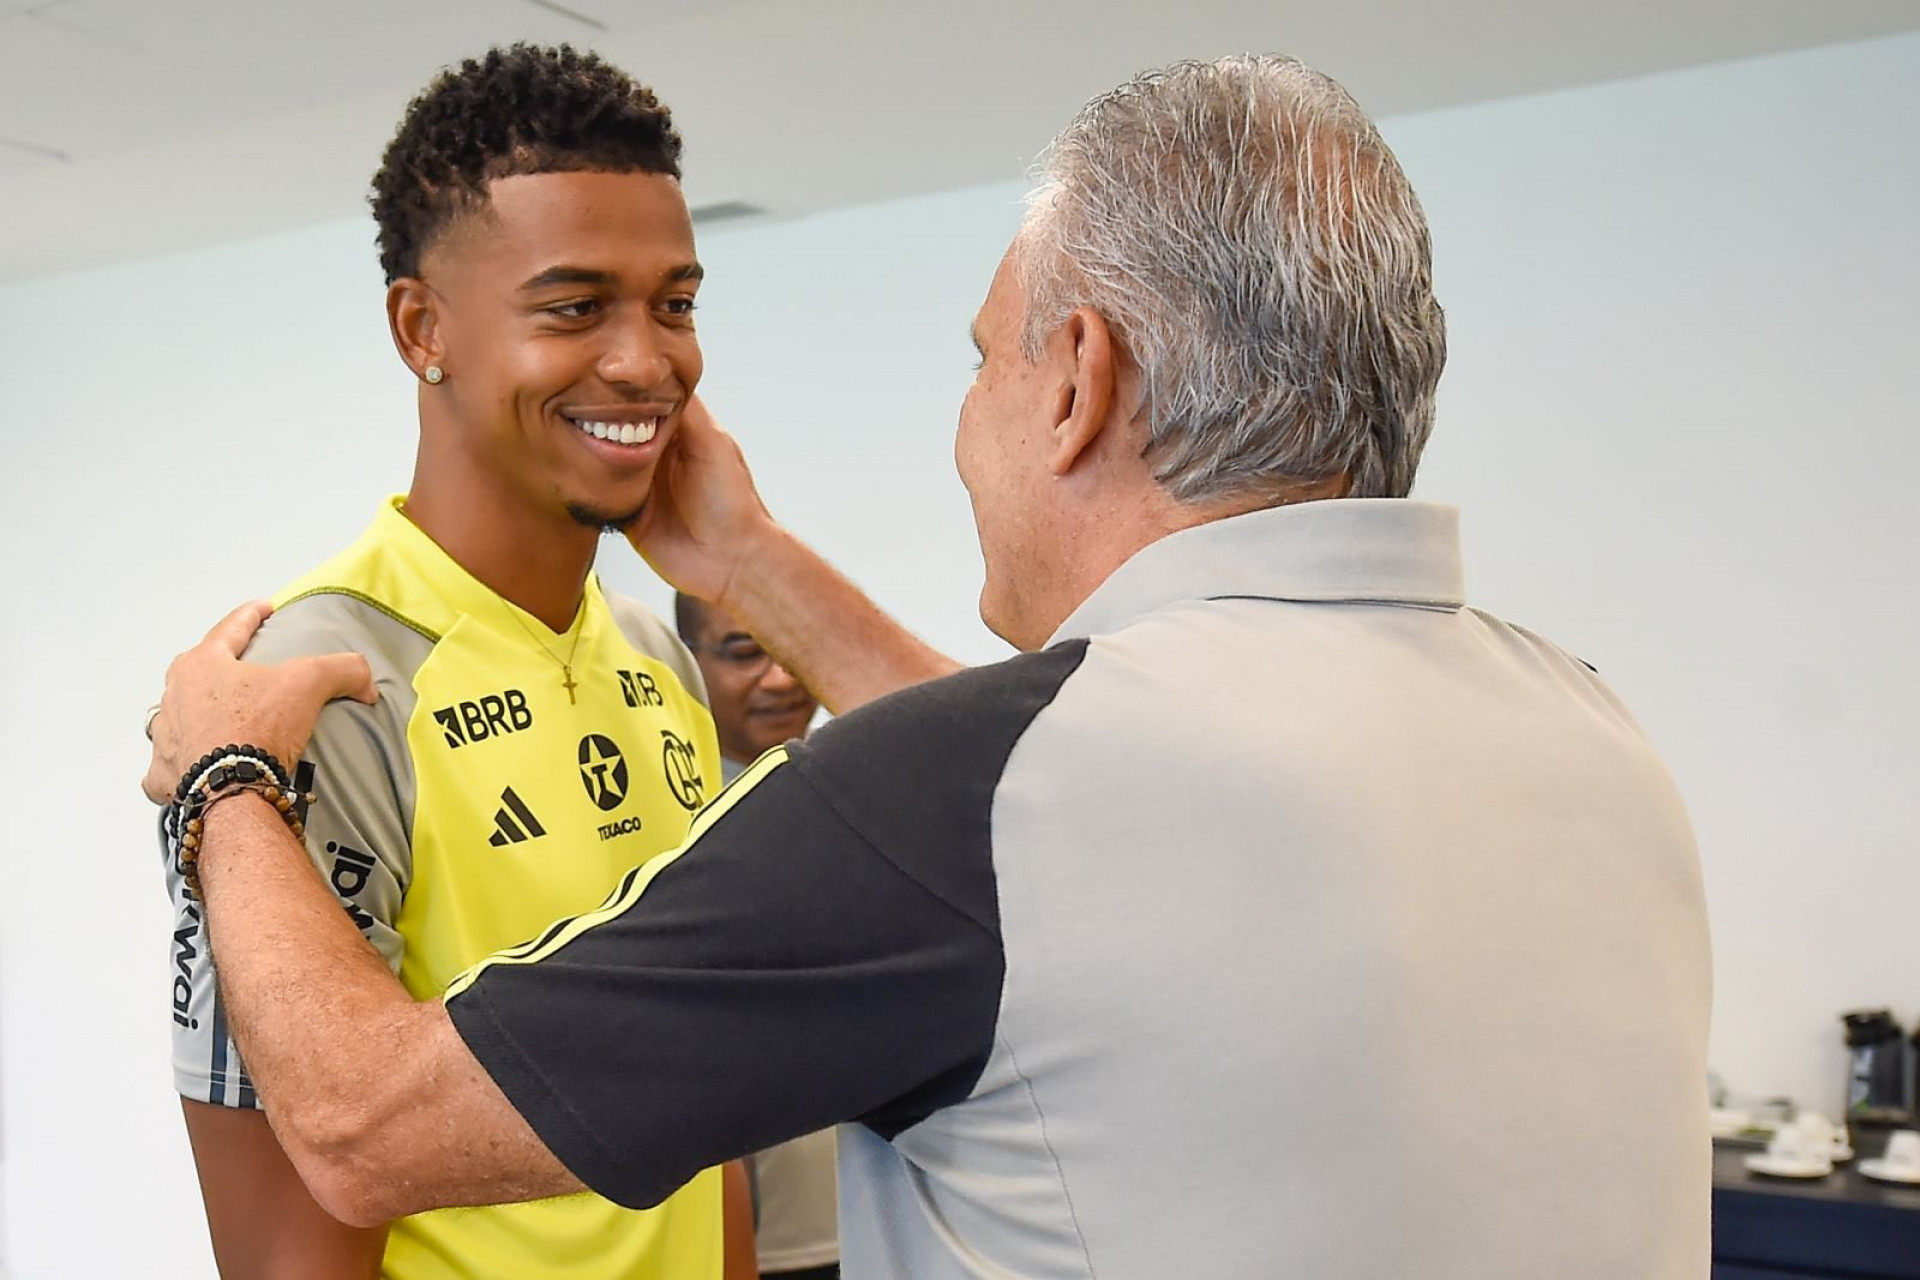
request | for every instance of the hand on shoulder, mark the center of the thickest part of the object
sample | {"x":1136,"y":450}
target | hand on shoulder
{"x":214,"y":698}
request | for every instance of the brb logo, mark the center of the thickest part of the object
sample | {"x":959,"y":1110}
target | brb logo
{"x":682,"y":765}
{"x":493,"y":716}
{"x":638,"y":688}
{"x":603,"y":771}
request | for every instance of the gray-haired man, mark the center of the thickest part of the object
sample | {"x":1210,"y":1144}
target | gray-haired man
{"x":1275,"y":914}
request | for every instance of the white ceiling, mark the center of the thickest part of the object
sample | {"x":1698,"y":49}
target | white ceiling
{"x":135,"y":127}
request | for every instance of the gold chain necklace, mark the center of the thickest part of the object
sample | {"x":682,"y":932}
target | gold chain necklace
{"x":567,"y":681}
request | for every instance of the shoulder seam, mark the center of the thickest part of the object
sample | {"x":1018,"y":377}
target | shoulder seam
{"x":797,"y":763}
{"x":1073,"y":654}
{"x":432,"y":637}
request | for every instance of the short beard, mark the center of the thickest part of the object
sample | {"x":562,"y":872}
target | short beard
{"x":604,"y":521}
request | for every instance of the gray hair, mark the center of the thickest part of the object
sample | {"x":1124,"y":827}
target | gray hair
{"x":1253,"y":244}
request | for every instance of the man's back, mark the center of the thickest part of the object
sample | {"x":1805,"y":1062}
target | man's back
{"x":1284,"y":917}
{"x":1352,"y":934}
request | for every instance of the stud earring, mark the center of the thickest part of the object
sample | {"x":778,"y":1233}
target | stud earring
{"x":434,"y":374}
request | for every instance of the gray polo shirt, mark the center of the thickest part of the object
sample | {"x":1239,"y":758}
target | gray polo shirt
{"x":1284,"y":917}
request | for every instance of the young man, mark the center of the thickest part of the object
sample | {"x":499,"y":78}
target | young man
{"x":535,"y":737}
{"x":757,"y":705}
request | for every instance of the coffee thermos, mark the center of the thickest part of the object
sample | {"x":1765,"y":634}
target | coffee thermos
{"x":1879,"y":1082}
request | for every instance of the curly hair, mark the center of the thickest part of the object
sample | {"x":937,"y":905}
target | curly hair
{"x":518,"y":110}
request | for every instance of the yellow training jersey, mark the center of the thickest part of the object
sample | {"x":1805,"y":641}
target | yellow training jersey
{"x":507,"y":778}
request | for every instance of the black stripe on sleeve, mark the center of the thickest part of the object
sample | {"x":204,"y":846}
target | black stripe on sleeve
{"x":217,"y":1065}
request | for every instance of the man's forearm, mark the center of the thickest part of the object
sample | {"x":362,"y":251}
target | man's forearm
{"x":374,"y":1097}
{"x":825,"y":630}
{"x":313,"y":1007}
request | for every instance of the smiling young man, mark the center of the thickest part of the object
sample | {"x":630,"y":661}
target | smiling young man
{"x":535,"y":737}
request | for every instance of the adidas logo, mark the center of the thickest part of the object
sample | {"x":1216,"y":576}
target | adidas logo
{"x":514,"y":823}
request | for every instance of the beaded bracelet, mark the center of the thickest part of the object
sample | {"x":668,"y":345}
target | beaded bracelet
{"x":219,"y":775}
{"x":244,"y":763}
{"x":187,"y":853}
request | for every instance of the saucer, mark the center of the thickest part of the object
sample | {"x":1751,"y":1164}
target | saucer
{"x":1879,"y":1171}
{"x":1774,"y":1168}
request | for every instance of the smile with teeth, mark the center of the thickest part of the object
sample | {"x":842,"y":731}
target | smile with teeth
{"x":639,"y":432}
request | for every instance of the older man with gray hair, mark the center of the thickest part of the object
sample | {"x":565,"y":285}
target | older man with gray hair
{"x":1276,"y":914}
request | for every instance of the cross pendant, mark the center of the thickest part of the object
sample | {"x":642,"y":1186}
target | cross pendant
{"x":568,"y":684}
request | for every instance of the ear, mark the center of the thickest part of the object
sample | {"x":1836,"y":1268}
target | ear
{"x":413,"y":317}
{"x":1089,"y":358}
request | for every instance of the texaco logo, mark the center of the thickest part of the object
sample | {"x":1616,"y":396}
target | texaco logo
{"x":603,"y":772}
{"x":682,"y":765}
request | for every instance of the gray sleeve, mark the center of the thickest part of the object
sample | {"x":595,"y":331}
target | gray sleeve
{"x":357,"y":835}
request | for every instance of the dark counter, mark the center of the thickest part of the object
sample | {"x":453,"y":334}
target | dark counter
{"x":1840,"y":1227}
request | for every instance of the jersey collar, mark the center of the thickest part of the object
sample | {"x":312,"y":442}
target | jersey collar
{"x":452,"y":588}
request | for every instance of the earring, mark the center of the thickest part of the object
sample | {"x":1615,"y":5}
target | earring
{"x":434,"y":374}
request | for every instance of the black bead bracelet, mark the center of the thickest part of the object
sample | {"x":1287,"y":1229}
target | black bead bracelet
{"x":220,"y":775}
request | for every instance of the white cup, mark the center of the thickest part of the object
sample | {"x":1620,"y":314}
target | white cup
{"x":1817,"y":1127}
{"x":1903,"y":1152}
{"x":1793,"y":1144}
{"x":1822,"y":1133}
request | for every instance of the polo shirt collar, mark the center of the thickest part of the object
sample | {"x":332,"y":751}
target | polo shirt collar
{"x":1337,"y":550}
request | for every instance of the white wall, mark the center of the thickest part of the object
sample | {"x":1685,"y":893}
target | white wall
{"x":1681,"y":311}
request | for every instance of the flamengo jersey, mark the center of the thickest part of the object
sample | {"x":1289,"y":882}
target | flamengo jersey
{"x":467,"y":811}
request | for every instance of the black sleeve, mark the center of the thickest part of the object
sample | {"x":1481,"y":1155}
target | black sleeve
{"x":825,"y":949}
